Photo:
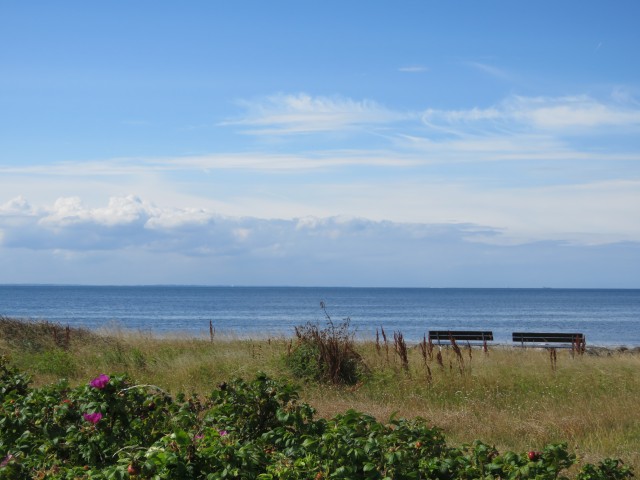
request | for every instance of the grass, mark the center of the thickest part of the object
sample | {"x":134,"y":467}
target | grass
{"x":516,"y":399}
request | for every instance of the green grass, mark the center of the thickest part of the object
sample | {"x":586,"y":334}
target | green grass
{"x":509,"y":397}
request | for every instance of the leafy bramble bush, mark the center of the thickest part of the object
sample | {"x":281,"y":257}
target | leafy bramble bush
{"x":112,"y":429}
{"x":608,"y":469}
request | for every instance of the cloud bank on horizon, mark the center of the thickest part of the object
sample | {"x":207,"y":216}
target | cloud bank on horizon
{"x":333,"y":159}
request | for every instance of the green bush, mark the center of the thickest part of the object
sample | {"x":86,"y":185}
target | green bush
{"x":113,"y":429}
{"x":304,"y":361}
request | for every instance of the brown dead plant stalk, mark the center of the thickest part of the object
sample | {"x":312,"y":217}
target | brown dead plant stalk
{"x":439,"y":358}
{"x":386,"y":343}
{"x":400,"y":347}
{"x":458,"y":352}
{"x":328,"y":354}
{"x":426,"y":350}
{"x":212,"y":331}
{"x":553,"y":357}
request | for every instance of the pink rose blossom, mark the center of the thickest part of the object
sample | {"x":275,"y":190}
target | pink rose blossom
{"x":93,"y":417}
{"x":100,"y":381}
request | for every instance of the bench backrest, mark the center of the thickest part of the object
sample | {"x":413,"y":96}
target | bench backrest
{"x":523,"y":337}
{"x":463,"y":335}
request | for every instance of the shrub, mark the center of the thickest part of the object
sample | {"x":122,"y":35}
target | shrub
{"x":250,"y":409}
{"x":608,"y":469}
{"x":111,"y":429}
{"x":326,"y":354}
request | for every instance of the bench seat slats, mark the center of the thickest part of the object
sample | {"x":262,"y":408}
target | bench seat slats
{"x":463,"y":335}
{"x":532,"y":337}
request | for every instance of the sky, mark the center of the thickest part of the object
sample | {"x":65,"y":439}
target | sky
{"x":364,"y":143}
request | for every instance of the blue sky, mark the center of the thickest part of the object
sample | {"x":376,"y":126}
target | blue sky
{"x":442,"y":144}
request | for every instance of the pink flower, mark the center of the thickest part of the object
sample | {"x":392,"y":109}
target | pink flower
{"x":93,"y":417}
{"x":223,"y":433}
{"x":100,"y":381}
{"x":6,"y":460}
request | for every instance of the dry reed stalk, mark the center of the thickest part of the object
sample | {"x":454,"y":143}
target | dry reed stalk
{"x":400,"y":347}
{"x":429,"y":375}
{"x":212,"y":331}
{"x":439,"y":358}
{"x":378,"y":348}
{"x":458,"y":352}
{"x":426,"y":350}
{"x":61,"y":337}
{"x":386,"y":343}
{"x":423,"y":349}
{"x":553,"y":357}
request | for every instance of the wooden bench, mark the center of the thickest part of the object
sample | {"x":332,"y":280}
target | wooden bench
{"x":575,"y":341}
{"x":439,"y":336}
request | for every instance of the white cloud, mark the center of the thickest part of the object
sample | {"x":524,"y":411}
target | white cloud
{"x":119,"y":211}
{"x":301,"y":251}
{"x":302,"y":113}
{"x":413,"y":69}
{"x":130,"y":222}
{"x":16,"y":206}
{"x":553,"y":188}
{"x":542,"y":114}
{"x":596,"y":213}
{"x":131,"y":240}
{"x":518,"y":128}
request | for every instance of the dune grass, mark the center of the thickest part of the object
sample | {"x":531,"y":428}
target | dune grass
{"x":516,"y":399}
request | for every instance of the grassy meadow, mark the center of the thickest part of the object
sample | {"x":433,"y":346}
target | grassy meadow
{"x":513,"y":398}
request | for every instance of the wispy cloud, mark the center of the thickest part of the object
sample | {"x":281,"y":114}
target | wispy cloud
{"x":282,"y":115}
{"x":413,"y":69}
{"x":544,"y":114}
{"x":490,"y":70}
{"x":302,"y":113}
{"x":573,"y":113}
{"x":518,"y":128}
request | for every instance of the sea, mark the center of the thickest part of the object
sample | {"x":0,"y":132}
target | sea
{"x":607,"y":317}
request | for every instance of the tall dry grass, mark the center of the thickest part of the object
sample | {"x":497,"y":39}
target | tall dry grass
{"x":516,"y":399}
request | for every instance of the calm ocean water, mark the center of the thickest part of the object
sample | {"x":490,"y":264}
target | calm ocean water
{"x":606,"y":317}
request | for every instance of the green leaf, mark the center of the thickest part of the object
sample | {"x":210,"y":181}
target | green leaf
{"x":368,"y":467}
{"x":182,"y":438}
{"x":309,"y":442}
